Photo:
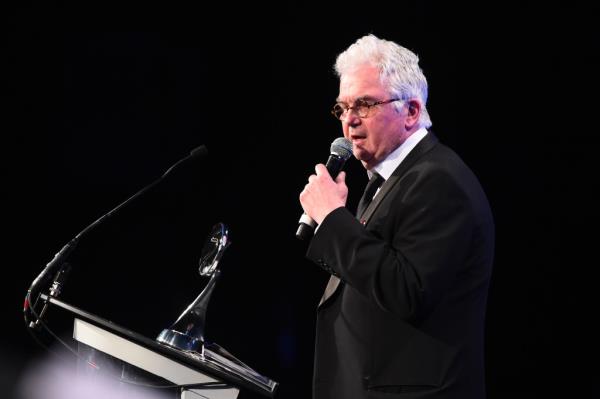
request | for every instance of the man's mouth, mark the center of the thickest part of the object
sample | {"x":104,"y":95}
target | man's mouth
{"x":356,"y":139}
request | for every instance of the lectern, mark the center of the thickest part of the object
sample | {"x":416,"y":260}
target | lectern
{"x":180,"y":357}
{"x":212,"y":373}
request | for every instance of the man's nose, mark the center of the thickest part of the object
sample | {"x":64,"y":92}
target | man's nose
{"x":352,"y":118}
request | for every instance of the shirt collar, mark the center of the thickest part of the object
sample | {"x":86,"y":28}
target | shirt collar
{"x":386,"y":167}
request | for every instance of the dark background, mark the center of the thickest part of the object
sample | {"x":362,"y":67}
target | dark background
{"x":101,"y":101}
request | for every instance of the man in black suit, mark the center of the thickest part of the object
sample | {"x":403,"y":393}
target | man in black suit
{"x":403,"y":313}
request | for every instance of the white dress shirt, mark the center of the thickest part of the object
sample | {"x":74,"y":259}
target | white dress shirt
{"x":386,"y":167}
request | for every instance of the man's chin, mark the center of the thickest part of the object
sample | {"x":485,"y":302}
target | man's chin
{"x":366,"y":162}
{"x":360,"y":154}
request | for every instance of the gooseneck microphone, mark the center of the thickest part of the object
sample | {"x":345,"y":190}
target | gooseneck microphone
{"x":56,"y":266}
{"x":341,"y":150}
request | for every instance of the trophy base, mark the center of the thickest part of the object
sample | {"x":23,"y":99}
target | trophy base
{"x":177,"y":340}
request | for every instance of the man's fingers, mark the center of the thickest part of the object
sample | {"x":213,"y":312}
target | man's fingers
{"x":320,"y":169}
{"x":341,"y":178}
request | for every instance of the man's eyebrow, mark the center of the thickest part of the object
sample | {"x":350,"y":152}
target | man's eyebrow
{"x":366,"y":98}
{"x":363,"y":98}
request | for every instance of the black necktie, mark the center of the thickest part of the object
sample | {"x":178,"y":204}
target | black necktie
{"x":374,"y":183}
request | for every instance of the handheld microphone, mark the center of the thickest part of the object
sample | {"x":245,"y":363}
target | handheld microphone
{"x":56,"y":264}
{"x":341,"y":150}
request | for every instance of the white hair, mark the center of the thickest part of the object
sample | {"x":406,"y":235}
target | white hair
{"x":398,"y":69}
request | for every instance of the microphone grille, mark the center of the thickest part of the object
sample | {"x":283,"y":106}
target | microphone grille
{"x":342,"y":147}
{"x":199,"y":151}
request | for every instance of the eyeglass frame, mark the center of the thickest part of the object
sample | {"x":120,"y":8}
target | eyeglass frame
{"x":367,"y":104}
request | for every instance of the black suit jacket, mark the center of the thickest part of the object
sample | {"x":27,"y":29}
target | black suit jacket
{"x":407,"y":320}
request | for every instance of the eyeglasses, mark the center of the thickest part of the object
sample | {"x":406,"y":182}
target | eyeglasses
{"x":361,"y":107}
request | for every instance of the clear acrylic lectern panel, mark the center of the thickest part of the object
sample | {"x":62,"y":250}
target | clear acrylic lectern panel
{"x":148,"y":360}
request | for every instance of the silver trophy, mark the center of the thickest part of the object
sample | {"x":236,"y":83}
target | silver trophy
{"x":187,"y":332}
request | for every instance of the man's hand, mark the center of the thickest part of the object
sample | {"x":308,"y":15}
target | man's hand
{"x":322,"y":195}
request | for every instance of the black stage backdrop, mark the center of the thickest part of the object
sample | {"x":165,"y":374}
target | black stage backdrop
{"x":102,"y":101}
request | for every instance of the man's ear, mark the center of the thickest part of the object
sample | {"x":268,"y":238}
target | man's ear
{"x":413,"y":115}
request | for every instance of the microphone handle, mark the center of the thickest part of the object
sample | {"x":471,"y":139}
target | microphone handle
{"x":306,"y":226}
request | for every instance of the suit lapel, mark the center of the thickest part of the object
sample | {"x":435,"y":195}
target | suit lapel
{"x":424,"y":146}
